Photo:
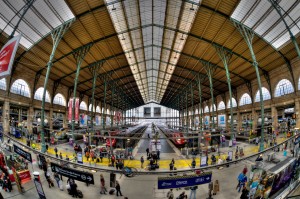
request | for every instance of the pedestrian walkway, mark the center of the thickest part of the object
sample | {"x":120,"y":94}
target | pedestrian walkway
{"x":163,"y":163}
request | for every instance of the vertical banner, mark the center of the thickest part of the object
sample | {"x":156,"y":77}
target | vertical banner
{"x":79,"y":158}
{"x":196,"y":121}
{"x":83,"y":120}
{"x":98,"y":120}
{"x":206,"y":121}
{"x":107,"y":120}
{"x":77,"y":110}
{"x":70,"y":109}
{"x":7,"y":55}
{"x":221,"y":120}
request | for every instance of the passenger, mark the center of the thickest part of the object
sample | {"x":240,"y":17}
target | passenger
{"x":216,"y":187}
{"x":142,"y":162}
{"x":259,"y":158}
{"x":193,"y":163}
{"x":147,"y":151}
{"x":182,"y":196}
{"x":170,"y":194}
{"x":118,"y":189}
{"x":102,"y":182}
{"x":245,"y":193}
{"x":113,"y":159}
{"x":213,"y":159}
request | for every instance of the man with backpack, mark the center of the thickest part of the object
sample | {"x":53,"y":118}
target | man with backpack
{"x":170,"y":194}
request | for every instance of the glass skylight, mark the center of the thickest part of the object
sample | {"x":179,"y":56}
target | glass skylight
{"x":40,"y":19}
{"x":261,"y":17}
{"x":151,"y":74}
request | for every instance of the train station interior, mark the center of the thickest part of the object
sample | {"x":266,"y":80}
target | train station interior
{"x":150,"y":99}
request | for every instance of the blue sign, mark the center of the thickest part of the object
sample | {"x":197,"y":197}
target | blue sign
{"x":184,"y":181}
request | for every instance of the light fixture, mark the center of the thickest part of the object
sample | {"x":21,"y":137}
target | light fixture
{"x":129,"y":56}
{"x":113,"y":7}
{"x":192,"y":8}
{"x":123,"y":38}
{"x":175,"y":57}
{"x":181,"y":37}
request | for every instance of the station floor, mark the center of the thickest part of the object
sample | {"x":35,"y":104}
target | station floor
{"x":168,"y":152}
{"x":142,"y":186}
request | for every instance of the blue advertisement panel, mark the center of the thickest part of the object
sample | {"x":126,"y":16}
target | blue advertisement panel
{"x":183,"y":181}
{"x":79,"y":158}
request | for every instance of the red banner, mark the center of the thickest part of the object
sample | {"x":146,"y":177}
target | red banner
{"x":70,"y":110}
{"x":7,"y":55}
{"x":77,"y":110}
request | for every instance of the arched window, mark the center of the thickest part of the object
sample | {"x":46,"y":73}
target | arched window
{"x":90,"y":108}
{"x":196,"y":111}
{"x":20,"y":87}
{"x":107,"y":111}
{"x":59,"y":99}
{"x":221,"y":106}
{"x":98,"y":109}
{"x":206,"y":109}
{"x":3,"y":84}
{"x":38,"y":95}
{"x":83,"y":106}
{"x":234,"y":104}
{"x":283,"y":87}
{"x":214,"y":108}
{"x":245,"y":99}
{"x":265,"y":93}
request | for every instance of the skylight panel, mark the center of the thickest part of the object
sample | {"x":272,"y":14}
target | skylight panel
{"x":40,"y":19}
{"x":266,"y":21}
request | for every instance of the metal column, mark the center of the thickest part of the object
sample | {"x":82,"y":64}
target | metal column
{"x":225,"y":56}
{"x":210,"y":69}
{"x":79,"y":56}
{"x":94,"y":69}
{"x":56,"y":34}
{"x":248,"y":35}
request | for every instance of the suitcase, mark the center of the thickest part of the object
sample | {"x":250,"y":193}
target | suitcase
{"x":111,"y":192}
{"x":79,"y":194}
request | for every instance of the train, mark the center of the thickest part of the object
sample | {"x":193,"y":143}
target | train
{"x":113,"y":140}
{"x":176,"y":137}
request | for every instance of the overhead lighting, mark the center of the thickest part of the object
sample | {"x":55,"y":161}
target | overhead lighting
{"x":192,"y":9}
{"x":175,"y":57}
{"x":113,"y":7}
{"x":123,"y":38}
{"x":182,"y":37}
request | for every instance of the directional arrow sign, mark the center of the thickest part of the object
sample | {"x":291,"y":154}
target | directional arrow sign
{"x":73,"y":173}
{"x":184,"y":181}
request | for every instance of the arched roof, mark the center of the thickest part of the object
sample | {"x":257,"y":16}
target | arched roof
{"x":124,"y":43}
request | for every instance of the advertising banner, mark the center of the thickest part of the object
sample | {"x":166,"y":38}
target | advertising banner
{"x":107,"y":120}
{"x":22,"y":153}
{"x":196,"y":121}
{"x":203,"y":161}
{"x":183,"y":181}
{"x":79,"y":158}
{"x":72,"y":173}
{"x":83,"y":120}
{"x":221,"y":120}
{"x":7,"y":55}
{"x":206,"y":120}
{"x":98,"y":120}
{"x":77,"y":110}
{"x":39,"y":188}
{"x":70,"y":110}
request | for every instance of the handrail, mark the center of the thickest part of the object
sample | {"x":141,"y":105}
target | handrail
{"x":148,"y":172}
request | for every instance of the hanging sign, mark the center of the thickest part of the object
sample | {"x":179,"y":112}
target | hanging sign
{"x":22,"y":153}
{"x":7,"y":55}
{"x":72,"y":173}
{"x":77,"y":109}
{"x":203,"y":161}
{"x":184,"y":181}
{"x":70,"y":109}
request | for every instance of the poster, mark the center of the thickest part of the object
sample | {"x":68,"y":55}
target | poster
{"x":221,"y":120}
{"x":77,"y":110}
{"x":98,"y":120}
{"x":83,"y":120}
{"x":70,"y":110}
{"x":196,"y":121}
{"x":107,"y":120}
{"x":206,"y":120}
{"x":203,"y":161}
{"x":79,"y":158}
{"x":7,"y":55}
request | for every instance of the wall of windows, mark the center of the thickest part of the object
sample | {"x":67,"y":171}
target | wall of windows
{"x":38,"y":95}
{"x":20,"y":87}
{"x":59,"y":99}
{"x":283,"y":87}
